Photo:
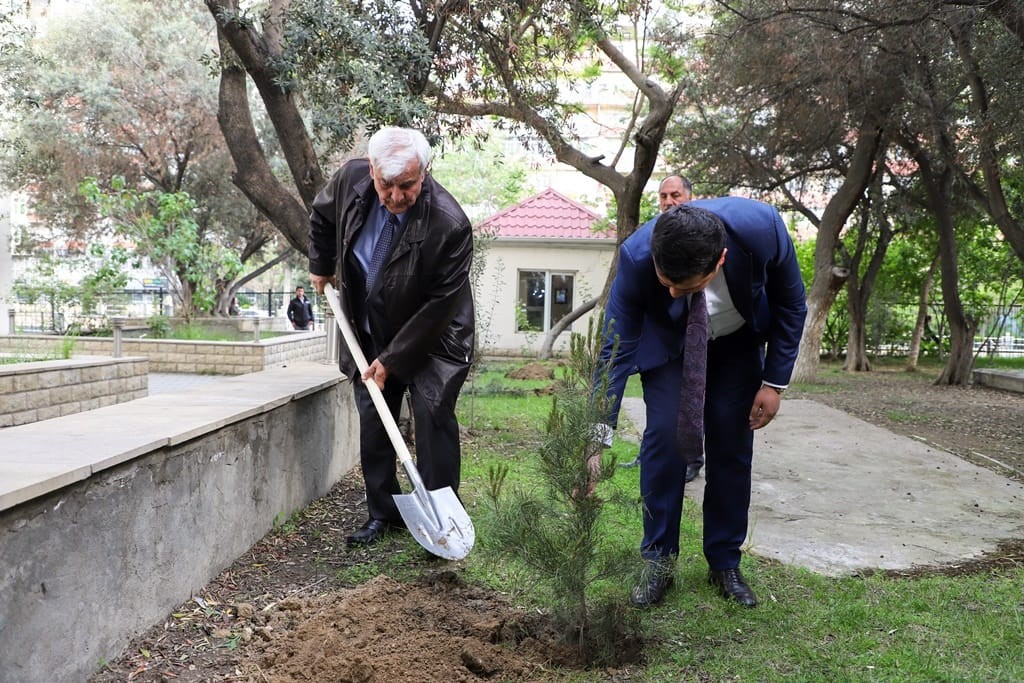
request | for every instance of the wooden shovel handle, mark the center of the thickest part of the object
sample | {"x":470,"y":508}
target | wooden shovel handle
{"x":352,"y":342}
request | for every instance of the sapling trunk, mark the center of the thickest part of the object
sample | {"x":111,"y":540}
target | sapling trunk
{"x":560,"y":534}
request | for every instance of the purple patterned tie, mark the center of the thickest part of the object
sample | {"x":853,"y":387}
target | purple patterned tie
{"x":690,"y":425}
{"x":381,"y":249}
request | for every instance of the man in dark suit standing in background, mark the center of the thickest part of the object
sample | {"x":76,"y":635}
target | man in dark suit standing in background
{"x":736,"y":255}
{"x":300,"y":311}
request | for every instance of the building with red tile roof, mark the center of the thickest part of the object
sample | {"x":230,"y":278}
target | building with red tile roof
{"x":542,"y":258}
{"x":548,"y":215}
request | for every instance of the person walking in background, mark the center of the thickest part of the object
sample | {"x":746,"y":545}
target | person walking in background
{"x":674,"y":190}
{"x":300,"y":311}
{"x":708,"y":306}
{"x":399,"y":248}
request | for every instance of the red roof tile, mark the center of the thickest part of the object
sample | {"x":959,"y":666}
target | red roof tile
{"x":547,"y":215}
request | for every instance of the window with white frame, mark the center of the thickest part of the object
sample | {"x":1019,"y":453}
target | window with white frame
{"x":544,"y":297}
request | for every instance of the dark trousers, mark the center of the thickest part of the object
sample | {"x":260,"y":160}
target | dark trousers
{"x":735,"y":365}
{"x":438,"y":454}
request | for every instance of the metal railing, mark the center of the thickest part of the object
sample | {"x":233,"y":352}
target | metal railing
{"x":42,"y":317}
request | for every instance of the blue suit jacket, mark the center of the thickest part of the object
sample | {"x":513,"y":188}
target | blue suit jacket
{"x":764,"y":282}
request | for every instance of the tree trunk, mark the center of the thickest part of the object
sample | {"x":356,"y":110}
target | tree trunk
{"x":253,"y":174}
{"x":627,"y":217}
{"x":992,"y":199}
{"x":567,"y":320}
{"x":860,"y":296}
{"x":828,"y":278}
{"x":922,"y":315}
{"x":856,"y":306}
{"x":806,"y":367}
{"x":857,"y":359}
{"x":957,"y":369}
{"x":939,"y":190}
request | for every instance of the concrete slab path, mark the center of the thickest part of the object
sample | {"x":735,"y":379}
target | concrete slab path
{"x":167,"y":382}
{"x":836,"y":494}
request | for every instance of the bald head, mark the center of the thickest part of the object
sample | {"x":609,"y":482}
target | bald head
{"x":673,"y":191}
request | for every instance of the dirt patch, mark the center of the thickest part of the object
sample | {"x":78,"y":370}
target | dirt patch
{"x":436,"y":630}
{"x":276,"y":615}
{"x":532,"y":371}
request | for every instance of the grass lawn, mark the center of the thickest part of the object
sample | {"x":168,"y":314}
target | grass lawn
{"x":807,"y":627}
{"x":197,"y":332}
{"x":1014,"y":363}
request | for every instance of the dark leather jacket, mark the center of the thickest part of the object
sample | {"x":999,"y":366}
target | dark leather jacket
{"x":420,"y":309}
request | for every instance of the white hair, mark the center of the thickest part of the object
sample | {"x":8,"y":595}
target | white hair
{"x":391,"y":149}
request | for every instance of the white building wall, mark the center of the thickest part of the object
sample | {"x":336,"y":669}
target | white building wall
{"x":497,"y":289}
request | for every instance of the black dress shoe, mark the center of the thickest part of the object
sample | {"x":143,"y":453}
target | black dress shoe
{"x":732,"y":586}
{"x":692,"y":471}
{"x":655,"y":579}
{"x":371,"y":532}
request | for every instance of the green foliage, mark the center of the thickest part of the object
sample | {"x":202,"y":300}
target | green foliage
{"x":359,"y":64}
{"x":164,"y":225}
{"x":159,"y":326}
{"x":1010,"y":363}
{"x":116,"y":89}
{"x":562,"y":536}
{"x":482,"y":175}
{"x":46,"y":281}
{"x":991,"y":279}
{"x":287,"y":523}
{"x":195,"y":332}
{"x":67,"y":343}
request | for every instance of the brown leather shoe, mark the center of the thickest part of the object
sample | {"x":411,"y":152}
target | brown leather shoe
{"x":656,"y":578}
{"x":732,"y":586}
{"x":371,"y":532}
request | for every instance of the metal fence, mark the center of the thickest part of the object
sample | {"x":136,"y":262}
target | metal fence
{"x":890,"y":326}
{"x":42,"y":316}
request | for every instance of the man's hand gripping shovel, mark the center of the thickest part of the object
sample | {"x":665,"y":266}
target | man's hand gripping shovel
{"x":436,"y":519}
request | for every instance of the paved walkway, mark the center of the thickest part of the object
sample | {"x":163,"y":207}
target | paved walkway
{"x":164,"y":382}
{"x":836,"y":494}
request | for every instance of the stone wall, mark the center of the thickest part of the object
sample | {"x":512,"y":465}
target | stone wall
{"x":46,"y":389}
{"x":123,"y":513}
{"x":193,"y":357}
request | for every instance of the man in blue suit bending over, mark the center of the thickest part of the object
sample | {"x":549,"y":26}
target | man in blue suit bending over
{"x":736,"y":255}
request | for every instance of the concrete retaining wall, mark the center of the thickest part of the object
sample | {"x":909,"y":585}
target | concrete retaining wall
{"x":191,"y":482}
{"x":1007,"y":380}
{"x":46,"y":389}
{"x":193,"y":357}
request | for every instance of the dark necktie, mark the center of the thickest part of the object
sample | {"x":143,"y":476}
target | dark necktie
{"x":690,"y":425}
{"x":381,"y":249}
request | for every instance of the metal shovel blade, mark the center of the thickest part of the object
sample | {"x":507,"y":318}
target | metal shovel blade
{"x":438,"y":522}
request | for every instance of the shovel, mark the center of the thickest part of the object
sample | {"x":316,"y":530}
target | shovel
{"x":436,"y":519}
